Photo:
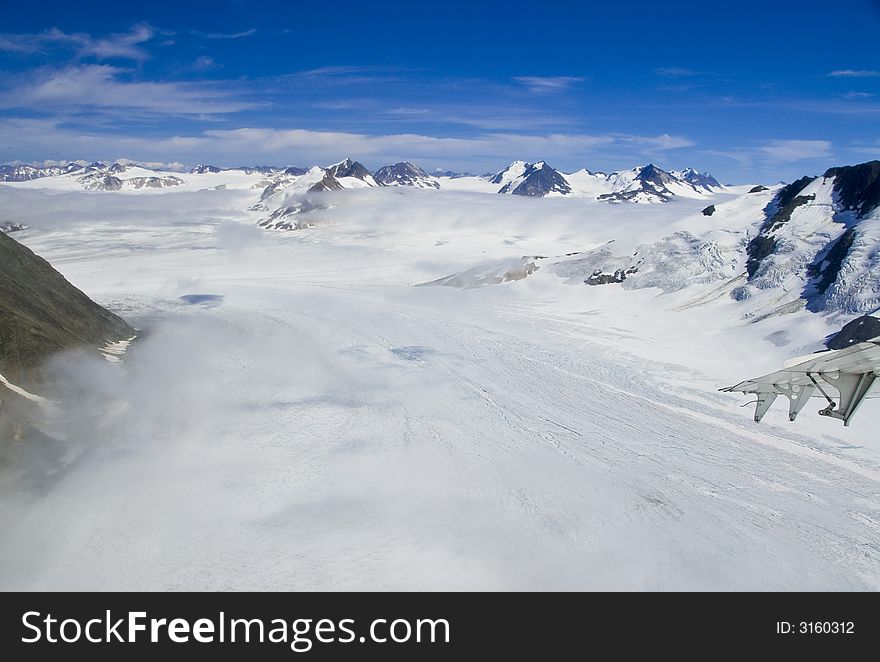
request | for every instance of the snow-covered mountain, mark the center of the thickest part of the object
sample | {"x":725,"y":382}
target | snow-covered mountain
{"x":352,"y":169}
{"x":814,"y":244}
{"x":202,"y":169}
{"x":106,"y":180}
{"x":643,"y":184}
{"x":405,"y":174}
{"x":533,"y":180}
{"x":648,"y":184}
{"x":24,"y":173}
{"x":699,"y":179}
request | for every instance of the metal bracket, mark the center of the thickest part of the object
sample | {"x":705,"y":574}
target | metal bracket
{"x":764,"y":401}
{"x":853,"y":388}
{"x":798,"y":395}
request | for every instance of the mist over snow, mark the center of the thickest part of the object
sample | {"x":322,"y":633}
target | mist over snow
{"x":301,"y":411}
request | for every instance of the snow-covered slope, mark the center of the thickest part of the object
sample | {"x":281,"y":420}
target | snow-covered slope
{"x":648,"y":184}
{"x":812,"y":244}
{"x":533,"y":180}
{"x":644,"y":184}
{"x":405,"y":174}
{"x":301,"y":400}
{"x":701,"y":180}
{"x":351,"y":170}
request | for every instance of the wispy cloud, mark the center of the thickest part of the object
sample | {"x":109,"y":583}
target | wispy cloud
{"x":857,"y":95}
{"x":268,"y":145}
{"x":124,"y":45}
{"x":658,"y":143}
{"x":103,"y":87}
{"x":547,"y":84}
{"x":854,"y":73}
{"x":796,"y":150}
{"x":777,"y":151}
{"x":676,"y":72}
{"x":224,"y":35}
{"x":204,"y":63}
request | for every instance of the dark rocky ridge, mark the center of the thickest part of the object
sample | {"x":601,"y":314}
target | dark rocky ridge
{"x":538,"y":180}
{"x":349,"y":168}
{"x":858,"y":186}
{"x":404,"y":174}
{"x":41,"y":313}
{"x":778,"y":214}
{"x":827,"y":264}
{"x":327,"y":183}
{"x":859,"y":330}
{"x":204,"y":169}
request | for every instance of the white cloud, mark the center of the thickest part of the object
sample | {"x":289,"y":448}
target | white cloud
{"x":659,"y":143}
{"x":795,"y":150}
{"x":46,"y":138}
{"x":124,"y":45}
{"x":102,"y":87}
{"x":775,"y":152}
{"x":225,"y":35}
{"x":854,"y":73}
{"x":546,"y":84}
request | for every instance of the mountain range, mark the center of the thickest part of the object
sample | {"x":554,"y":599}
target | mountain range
{"x":814,"y":244}
{"x":644,"y":184}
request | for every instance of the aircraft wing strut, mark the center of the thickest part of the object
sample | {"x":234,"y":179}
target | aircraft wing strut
{"x":851,"y":375}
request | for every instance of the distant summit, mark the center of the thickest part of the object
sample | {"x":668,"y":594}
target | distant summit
{"x":404,"y":174}
{"x":698,"y":179}
{"x":349,"y":168}
{"x":532,"y":180}
{"x":204,"y":169}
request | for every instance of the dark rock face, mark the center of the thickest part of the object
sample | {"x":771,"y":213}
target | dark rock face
{"x":708,"y":211}
{"x":858,"y":186}
{"x":203,"y":169}
{"x":328,"y":183}
{"x":538,"y":180}
{"x":827,"y":265}
{"x":154,"y":182}
{"x":758,"y":189}
{"x":788,"y":193}
{"x":101,"y":182}
{"x":349,"y":168}
{"x":779,"y":213}
{"x":757,"y":249}
{"x":404,"y":174}
{"x":859,"y":330}
{"x":654,"y":175}
{"x":296,"y":171}
{"x":650,"y":182}
{"x":619,"y":275}
{"x":41,"y":313}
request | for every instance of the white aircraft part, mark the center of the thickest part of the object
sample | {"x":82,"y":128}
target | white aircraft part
{"x":852,"y":372}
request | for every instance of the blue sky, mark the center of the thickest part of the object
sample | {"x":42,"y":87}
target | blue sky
{"x":749,"y":91}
